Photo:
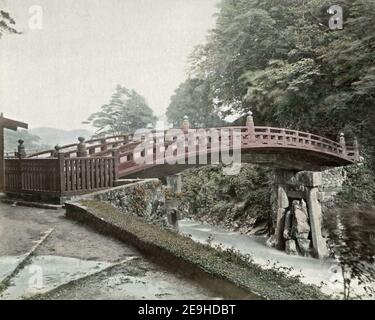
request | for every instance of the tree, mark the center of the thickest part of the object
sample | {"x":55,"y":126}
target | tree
{"x":351,"y":233}
{"x":126,"y":112}
{"x":192,"y":98}
{"x":6,"y":23}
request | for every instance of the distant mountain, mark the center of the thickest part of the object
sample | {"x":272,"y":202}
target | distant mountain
{"x":52,"y":137}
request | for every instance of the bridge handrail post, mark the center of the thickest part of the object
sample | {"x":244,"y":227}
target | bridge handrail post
{"x":343,"y":143}
{"x":250,"y":127}
{"x":103,"y":146}
{"x":61,"y":172}
{"x":356,"y":149}
{"x":185,"y":125}
{"x":116,"y":164}
{"x":56,"y":152}
{"x":21,"y":151}
{"x":81,"y":148}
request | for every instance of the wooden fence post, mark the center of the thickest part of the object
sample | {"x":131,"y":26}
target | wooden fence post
{"x":116,"y":164}
{"x":61,"y":173}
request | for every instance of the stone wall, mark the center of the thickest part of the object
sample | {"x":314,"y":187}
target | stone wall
{"x":145,"y":199}
{"x":332,"y":182}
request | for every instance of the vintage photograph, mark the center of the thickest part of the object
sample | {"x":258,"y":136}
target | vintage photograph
{"x":210,"y":151}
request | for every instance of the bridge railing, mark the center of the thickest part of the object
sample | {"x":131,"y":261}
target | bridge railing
{"x":80,"y":159}
{"x":94,"y":146}
{"x":252,"y":136}
{"x":60,"y":176}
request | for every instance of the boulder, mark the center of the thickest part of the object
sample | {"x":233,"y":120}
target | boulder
{"x":304,"y":246}
{"x":288,"y":225}
{"x":271,"y":242}
{"x":291,"y":247}
{"x":301,"y":224}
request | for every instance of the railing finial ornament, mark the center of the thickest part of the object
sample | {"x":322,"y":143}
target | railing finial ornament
{"x":55,"y":153}
{"x":250,"y":119}
{"x":250,"y":127}
{"x":186,"y":124}
{"x":81,"y":147}
{"x":342,"y":139}
{"x":21,"y":151}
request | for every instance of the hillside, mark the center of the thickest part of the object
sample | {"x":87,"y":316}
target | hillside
{"x":52,"y":137}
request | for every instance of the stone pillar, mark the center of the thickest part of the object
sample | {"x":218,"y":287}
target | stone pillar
{"x":21,"y":151}
{"x":282,"y":204}
{"x":315,"y":215}
{"x":81,"y":148}
{"x":174,"y":185}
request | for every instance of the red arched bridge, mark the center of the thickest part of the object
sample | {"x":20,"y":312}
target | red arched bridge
{"x":97,"y":164}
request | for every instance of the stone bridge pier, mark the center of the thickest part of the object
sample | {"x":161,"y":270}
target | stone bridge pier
{"x":297,"y":200}
{"x":173,"y":188}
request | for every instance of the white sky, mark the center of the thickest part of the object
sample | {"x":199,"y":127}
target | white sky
{"x":59,"y":75}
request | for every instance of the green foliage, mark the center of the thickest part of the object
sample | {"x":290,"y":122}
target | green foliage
{"x":6,"y":23}
{"x":126,"y":112}
{"x":351,"y":233}
{"x":281,"y":59}
{"x":242,"y":199}
{"x":359,"y":187}
{"x":193,"y":99}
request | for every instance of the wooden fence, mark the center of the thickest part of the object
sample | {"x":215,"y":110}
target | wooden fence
{"x":60,"y":176}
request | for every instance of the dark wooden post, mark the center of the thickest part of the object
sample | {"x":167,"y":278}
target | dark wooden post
{"x":103,"y":146}
{"x":12,"y":125}
{"x":116,"y":164}
{"x":55,"y":153}
{"x":61,"y":173}
{"x":21,"y":151}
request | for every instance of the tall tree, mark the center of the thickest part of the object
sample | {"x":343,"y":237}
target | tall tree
{"x":126,"y":112}
{"x":193,"y":99}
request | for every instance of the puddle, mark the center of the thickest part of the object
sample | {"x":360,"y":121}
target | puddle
{"x":8,"y":264}
{"x":137,"y":280}
{"x":45,"y":273}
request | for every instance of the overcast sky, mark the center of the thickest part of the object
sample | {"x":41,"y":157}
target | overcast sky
{"x":59,"y":75}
